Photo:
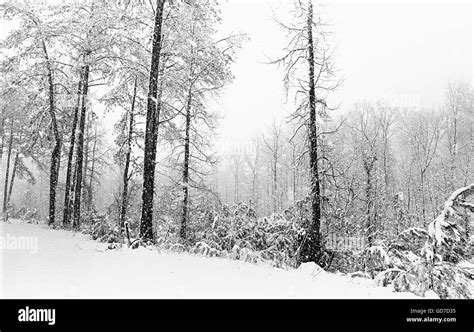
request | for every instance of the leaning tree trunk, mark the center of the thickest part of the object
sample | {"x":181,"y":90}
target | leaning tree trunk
{"x":12,"y":181}
{"x":152,"y":116}
{"x":184,"y":215}
{"x":56,"y":154}
{"x":311,"y":248}
{"x":7,"y":170}
{"x":123,"y":210}
{"x":80,"y":152}
{"x":67,"y":194}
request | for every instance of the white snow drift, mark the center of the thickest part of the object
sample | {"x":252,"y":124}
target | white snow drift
{"x":69,"y":265}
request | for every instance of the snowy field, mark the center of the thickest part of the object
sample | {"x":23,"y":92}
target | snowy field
{"x":62,"y":264}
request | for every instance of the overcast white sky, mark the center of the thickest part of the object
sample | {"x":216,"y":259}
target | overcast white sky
{"x":407,"y":50}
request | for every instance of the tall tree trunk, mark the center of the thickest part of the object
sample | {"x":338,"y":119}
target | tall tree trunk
{"x":93,"y":161}
{"x":56,"y":154}
{"x":312,"y":245}
{"x":87,"y":139}
{"x":184,"y":215}
{"x":80,"y":151}
{"x":67,"y":195}
{"x":453,"y":151}
{"x":12,"y":181}
{"x":423,"y":200}
{"x":7,"y":170}
{"x":152,"y":117}
{"x":275,"y":179}
{"x":123,"y":210}
{"x":2,"y":137}
{"x":370,"y":206}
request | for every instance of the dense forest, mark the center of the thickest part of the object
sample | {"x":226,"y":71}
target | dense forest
{"x":380,"y":190}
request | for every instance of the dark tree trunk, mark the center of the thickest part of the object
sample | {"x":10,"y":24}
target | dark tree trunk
{"x":152,"y":117}
{"x":184,"y":216}
{"x":123,"y":210}
{"x":275,"y":178}
{"x":56,"y":154}
{"x":7,"y":170}
{"x":80,"y":151}
{"x":2,"y":135}
{"x":12,"y":181}
{"x":91,"y":177}
{"x":370,"y":201}
{"x":311,"y":248}
{"x":85,"y":189}
{"x":67,"y":195}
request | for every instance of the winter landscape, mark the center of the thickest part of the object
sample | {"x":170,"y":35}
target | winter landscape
{"x":236,"y":149}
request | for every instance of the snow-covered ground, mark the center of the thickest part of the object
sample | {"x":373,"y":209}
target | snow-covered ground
{"x":63,"y":264}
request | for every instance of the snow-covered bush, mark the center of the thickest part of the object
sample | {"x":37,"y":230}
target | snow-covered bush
{"x":236,"y":232}
{"x":376,"y":259}
{"x":25,"y":214}
{"x":422,"y":260}
{"x":100,"y":228}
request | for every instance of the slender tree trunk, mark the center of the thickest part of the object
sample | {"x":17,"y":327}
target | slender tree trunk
{"x":370,"y":222}
{"x":7,"y":170}
{"x":152,"y":117}
{"x":93,"y":161}
{"x":80,"y":151}
{"x":423,"y":201}
{"x":2,"y":135}
{"x":67,"y":195}
{"x":123,"y":210}
{"x":275,"y":180}
{"x":184,"y":216}
{"x":454,"y":151}
{"x":56,"y":154}
{"x":312,"y":245}
{"x":12,"y":181}
{"x":85,"y":190}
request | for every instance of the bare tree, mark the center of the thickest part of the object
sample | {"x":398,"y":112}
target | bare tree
{"x":423,"y":133}
{"x":308,"y":52}
{"x":151,"y":131}
{"x":273,"y":143}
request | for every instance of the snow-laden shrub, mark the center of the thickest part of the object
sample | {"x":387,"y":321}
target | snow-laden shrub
{"x":451,"y":281}
{"x":376,"y":259}
{"x":101,"y":229}
{"x":235,"y":231}
{"x":25,"y":214}
{"x":428,"y":260}
{"x":412,"y":239}
{"x":202,"y":248}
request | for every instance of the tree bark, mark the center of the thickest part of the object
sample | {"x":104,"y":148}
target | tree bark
{"x":12,"y":181}
{"x":93,"y":161}
{"x":67,"y":199}
{"x":80,"y":151}
{"x":7,"y":170}
{"x":370,"y":204}
{"x":2,"y":135}
{"x":56,"y":154}
{"x":87,"y":139}
{"x":312,"y":245}
{"x":184,"y":216}
{"x":152,"y":116}
{"x":123,"y":210}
